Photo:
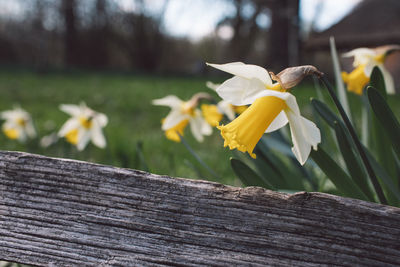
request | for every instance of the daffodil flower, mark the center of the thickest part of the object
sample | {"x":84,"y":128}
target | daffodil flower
{"x":365,"y":59}
{"x":18,"y":124}
{"x":222,"y":108}
{"x":84,"y":125}
{"x":271,"y":108}
{"x":183,"y":113}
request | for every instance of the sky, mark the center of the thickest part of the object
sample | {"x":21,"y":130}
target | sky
{"x":195,"y":19}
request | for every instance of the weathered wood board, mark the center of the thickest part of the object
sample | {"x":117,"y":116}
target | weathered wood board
{"x":58,"y":212}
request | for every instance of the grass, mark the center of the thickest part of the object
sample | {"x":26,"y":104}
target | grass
{"x":133,"y":134}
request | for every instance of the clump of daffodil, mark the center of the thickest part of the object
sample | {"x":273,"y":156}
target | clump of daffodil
{"x":272,"y":107}
{"x":365,"y":59}
{"x":84,"y":125}
{"x":184,"y":113}
{"x":18,"y":124}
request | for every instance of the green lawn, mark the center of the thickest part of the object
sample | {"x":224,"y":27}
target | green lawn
{"x":126,"y":100}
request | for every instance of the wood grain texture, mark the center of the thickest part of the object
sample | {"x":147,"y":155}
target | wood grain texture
{"x":58,"y":212}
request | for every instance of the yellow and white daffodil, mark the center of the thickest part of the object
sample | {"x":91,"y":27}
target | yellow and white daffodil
{"x":272,"y":107}
{"x":365,"y":59}
{"x":183,"y":113}
{"x":18,"y":124}
{"x":215,"y":113}
{"x":84,"y":125}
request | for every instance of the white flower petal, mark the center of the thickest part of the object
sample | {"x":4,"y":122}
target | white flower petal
{"x":196,"y":126}
{"x":311,"y":132}
{"x":72,"y":110}
{"x":280,"y":121}
{"x":226,"y":108}
{"x":97,"y":135}
{"x":212,"y":86}
{"x":173,"y":118}
{"x":239,"y":91}
{"x":30,"y":130}
{"x":389,"y":83}
{"x":246,"y":71}
{"x":361,"y":55}
{"x":169,"y":101}
{"x":83,"y":139}
{"x":101,"y":119}
{"x":301,"y":148}
{"x":69,"y":125}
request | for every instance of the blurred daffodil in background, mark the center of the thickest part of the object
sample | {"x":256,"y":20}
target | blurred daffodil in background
{"x":84,"y":125}
{"x":272,"y":107}
{"x":18,"y":124}
{"x":183,"y":113}
{"x":365,"y":59}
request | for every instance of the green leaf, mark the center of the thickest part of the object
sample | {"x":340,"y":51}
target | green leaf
{"x":378,"y":82}
{"x":325,"y":112}
{"x":391,"y":189}
{"x":247,"y":175}
{"x":339,"y":178}
{"x":386,"y":118}
{"x":342,"y":92}
{"x":356,"y":171}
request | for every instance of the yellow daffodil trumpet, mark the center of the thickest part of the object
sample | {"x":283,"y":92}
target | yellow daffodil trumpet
{"x":272,"y":107}
{"x":365,"y":59}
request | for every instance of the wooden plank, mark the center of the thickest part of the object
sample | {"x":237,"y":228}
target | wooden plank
{"x":58,"y":212}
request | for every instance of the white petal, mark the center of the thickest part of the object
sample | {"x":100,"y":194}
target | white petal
{"x":389,"y":83}
{"x":101,"y":119}
{"x":72,"y":110}
{"x":68,"y":126}
{"x":83,"y":139}
{"x":169,"y":101}
{"x":301,"y":148}
{"x":280,"y":121}
{"x":212,"y":86}
{"x":305,"y":135}
{"x":226,"y":108}
{"x":246,"y":71}
{"x":361,"y":55}
{"x":173,"y":118}
{"x":239,"y":91}
{"x":97,"y":135}
{"x":311,"y":132}
{"x":30,"y":130}
{"x":196,"y":125}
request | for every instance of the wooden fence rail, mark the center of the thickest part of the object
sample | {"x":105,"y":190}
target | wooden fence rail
{"x":58,"y":212}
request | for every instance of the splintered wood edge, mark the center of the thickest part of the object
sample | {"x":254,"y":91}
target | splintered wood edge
{"x":113,"y":216}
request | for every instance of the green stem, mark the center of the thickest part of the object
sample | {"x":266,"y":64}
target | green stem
{"x":357,"y":142}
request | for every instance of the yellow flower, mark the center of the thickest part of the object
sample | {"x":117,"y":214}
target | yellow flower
{"x":271,"y":108}
{"x":211,"y":113}
{"x":365,"y":59}
{"x":18,"y":124}
{"x":84,"y":125}
{"x":183,"y":113}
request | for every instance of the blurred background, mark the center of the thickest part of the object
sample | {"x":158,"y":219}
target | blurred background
{"x":118,"y":55}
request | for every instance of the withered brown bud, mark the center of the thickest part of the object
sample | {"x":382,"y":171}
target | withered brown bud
{"x":194,"y":101}
{"x":290,"y":77}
